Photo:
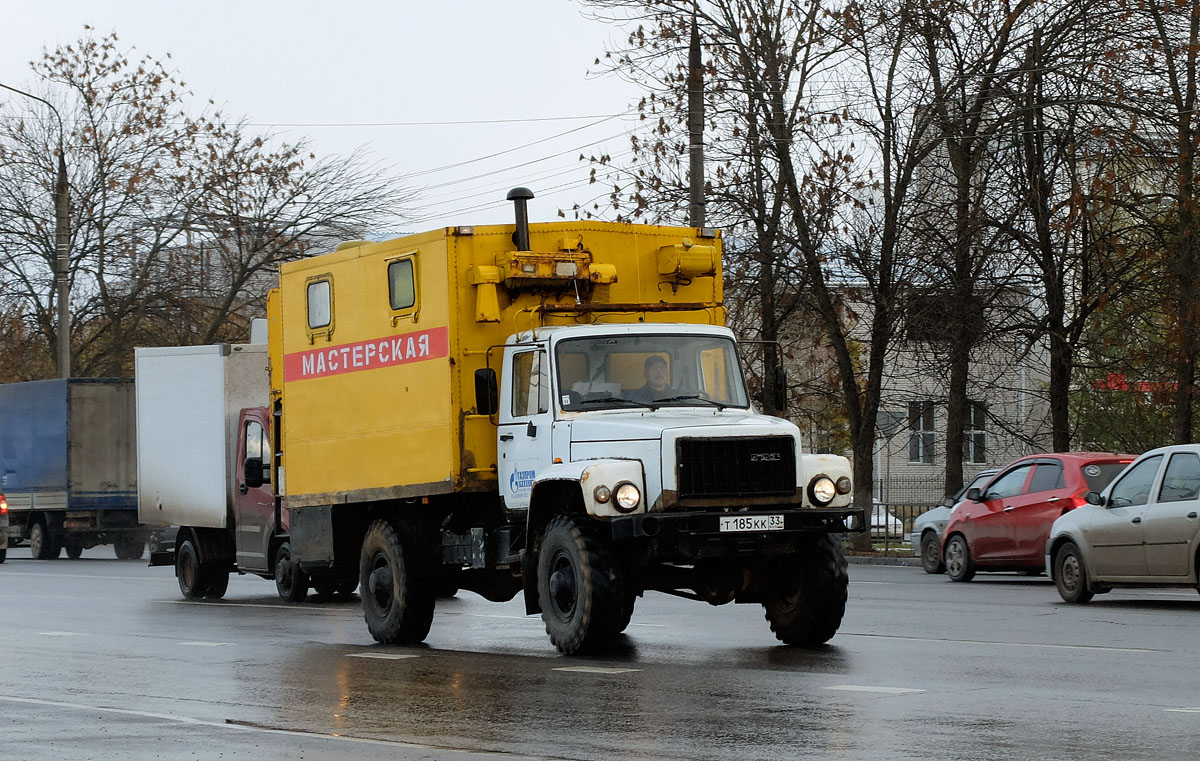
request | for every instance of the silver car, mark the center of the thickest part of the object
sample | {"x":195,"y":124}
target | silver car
{"x":1143,"y":529}
{"x":926,"y":536}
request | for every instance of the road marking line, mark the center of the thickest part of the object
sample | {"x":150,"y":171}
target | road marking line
{"x":248,"y":727}
{"x":991,"y":643}
{"x":595,"y":670}
{"x":880,"y":690}
{"x":383,"y":656}
{"x":198,"y":643}
{"x":281,"y":606}
{"x":64,"y":634}
{"x":1182,"y":710}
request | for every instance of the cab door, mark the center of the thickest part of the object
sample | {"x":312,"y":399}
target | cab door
{"x":254,"y":499}
{"x":525,"y":422}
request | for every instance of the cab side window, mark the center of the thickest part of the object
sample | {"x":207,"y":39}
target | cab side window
{"x":1047,"y":477}
{"x":258,"y":448}
{"x":402,"y":288}
{"x":530,"y":391}
{"x":1181,"y":481}
{"x":1008,"y":485}
{"x":320,"y":304}
{"x":1134,"y":486}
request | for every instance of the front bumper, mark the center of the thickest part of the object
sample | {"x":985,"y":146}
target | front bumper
{"x":690,"y":536}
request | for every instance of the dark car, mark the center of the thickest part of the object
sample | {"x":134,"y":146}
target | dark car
{"x":1004,"y":525}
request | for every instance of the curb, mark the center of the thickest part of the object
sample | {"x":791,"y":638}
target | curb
{"x":868,"y":560}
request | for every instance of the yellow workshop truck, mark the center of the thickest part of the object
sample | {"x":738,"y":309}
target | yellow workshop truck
{"x":553,"y":410}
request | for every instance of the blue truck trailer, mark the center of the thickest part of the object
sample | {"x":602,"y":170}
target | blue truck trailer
{"x":68,"y":466}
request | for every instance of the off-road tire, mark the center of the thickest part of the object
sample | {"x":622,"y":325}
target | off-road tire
{"x":959,"y":564}
{"x":931,"y":553}
{"x":191,"y":574}
{"x":804,"y":595}
{"x":580,"y":586}
{"x":129,"y":549}
{"x":397,"y":603}
{"x":1070,"y":574}
{"x":626,"y":612}
{"x":291,"y":582}
{"x":42,"y":544}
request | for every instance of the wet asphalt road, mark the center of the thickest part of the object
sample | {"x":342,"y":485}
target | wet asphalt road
{"x":103,"y":660}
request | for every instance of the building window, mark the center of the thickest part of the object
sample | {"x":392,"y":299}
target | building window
{"x":402,"y":288}
{"x":920,"y":427}
{"x":320,"y":304}
{"x":975,"y":434}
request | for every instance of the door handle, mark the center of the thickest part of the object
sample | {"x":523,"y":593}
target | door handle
{"x":1192,"y":514}
{"x":1137,"y":520}
{"x":1008,"y":509}
{"x":506,"y":437}
{"x":1054,"y":499}
{"x":242,"y":489}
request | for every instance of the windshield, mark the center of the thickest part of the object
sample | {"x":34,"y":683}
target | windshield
{"x":606,"y":372}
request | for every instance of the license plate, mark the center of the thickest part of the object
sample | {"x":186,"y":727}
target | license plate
{"x":751,"y":523}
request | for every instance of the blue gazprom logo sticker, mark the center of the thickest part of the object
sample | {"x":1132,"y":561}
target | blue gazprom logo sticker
{"x":521,"y":480}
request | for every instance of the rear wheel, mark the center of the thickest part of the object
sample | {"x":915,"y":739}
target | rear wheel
{"x":290,"y":581}
{"x":959,"y":565}
{"x":397,"y":604}
{"x":193,"y":580}
{"x":1070,"y":574}
{"x":580,"y":589}
{"x":3,"y":555}
{"x":218,"y":584}
{"x":129,"y":549}
{"x":73,"y":549}
{"x":42,"y":544}
{"x":931,"y":553}
{"x":805,"y":595}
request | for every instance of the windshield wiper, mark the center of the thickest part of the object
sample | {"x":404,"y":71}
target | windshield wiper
{"x":617,"y":400}
{"x":691,"y":397}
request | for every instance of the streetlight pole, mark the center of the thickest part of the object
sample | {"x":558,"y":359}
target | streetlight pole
{"x":62,"y":243}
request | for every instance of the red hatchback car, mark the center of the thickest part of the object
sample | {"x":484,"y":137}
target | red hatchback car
{"x":1004,"y":525}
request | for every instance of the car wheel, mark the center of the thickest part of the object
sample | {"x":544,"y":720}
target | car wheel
{"x":805,"y":595}
{"x":398,"y":604}
{"x":218,"y":584}
{"x":41,"y":544}
{"x":931,"y":553}
{"x":191,"y":574}
{"x":580,"y":588}
{"x":73,"y":549}
{"x":959,"y":566}
{"x":290,"y":581}
{"x":1070,"y":574}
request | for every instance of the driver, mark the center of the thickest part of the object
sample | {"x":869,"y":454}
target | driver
{"x":657,"y":381}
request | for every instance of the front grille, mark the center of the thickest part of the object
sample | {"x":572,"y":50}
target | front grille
{"x":736,"y":467}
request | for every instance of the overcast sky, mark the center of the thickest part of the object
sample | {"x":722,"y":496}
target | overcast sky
{"x":359,"y":73}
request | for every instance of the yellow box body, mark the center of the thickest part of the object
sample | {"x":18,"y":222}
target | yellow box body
{"x":380,"y":403}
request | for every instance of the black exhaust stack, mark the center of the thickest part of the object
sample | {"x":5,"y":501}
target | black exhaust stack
{"x":519,"y":197}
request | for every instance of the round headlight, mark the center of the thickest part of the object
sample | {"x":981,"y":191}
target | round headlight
{"x":602,"y":494}
{"x":822,"y":490}
{"x":844,"y":485}
{"x":627,"y":497}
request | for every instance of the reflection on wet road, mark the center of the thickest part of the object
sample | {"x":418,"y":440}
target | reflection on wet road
{"x":103,"y":660}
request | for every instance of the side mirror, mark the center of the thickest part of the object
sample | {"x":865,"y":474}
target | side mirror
{"x":948,"y":502}
{"x":487,"y":398}
{"x":780,"y":388}
{"x":1094,"y":498}
{"x":974,"y":494}
{"x":254,"y":472}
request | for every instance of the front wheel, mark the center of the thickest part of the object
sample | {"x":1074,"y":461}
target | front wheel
{"x":959,"y":565}
{"x":580,"y":589}
{"x":290,"y":581}
{"x":1070,"y":574}
{"x":397,"y":604}
{"x":191,"y":574}
{"x":931,"y":553}
{"x":804,"y":595}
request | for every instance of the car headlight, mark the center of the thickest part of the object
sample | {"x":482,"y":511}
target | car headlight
{"x":627,"y":498}
{"x":822,"y":490}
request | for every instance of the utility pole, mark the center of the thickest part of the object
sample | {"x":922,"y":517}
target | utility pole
{"x":62,"y":243}
{"x":695,"y":129}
